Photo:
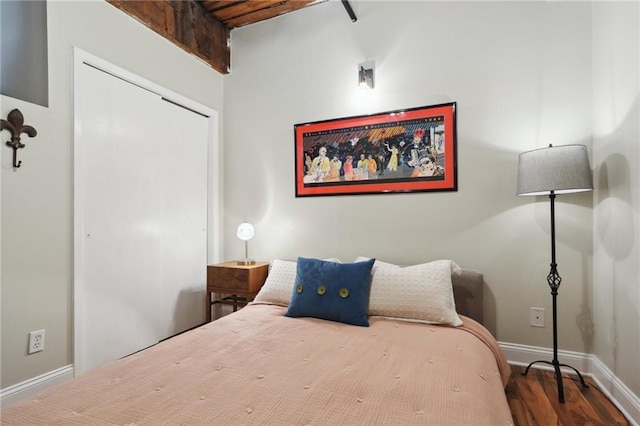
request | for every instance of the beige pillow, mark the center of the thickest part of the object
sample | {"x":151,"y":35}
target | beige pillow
{"x":279,"y":283}
{"x":278,"y":287}
{"x":421,"y":293}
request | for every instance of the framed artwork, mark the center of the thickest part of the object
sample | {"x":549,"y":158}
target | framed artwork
{"x":397,"y":151}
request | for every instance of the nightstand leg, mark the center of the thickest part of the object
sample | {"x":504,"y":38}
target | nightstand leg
{"x":208,"y":307}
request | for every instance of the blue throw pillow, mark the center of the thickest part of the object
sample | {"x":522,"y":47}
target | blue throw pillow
{"x":331,"y":291}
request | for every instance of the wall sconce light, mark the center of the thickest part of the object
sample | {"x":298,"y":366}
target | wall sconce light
{"x":365,"y":77}
{"x":246,"y":232}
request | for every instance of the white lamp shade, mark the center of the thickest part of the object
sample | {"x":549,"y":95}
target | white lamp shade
{"x":561,"y":169}
{"x":245,"y":231}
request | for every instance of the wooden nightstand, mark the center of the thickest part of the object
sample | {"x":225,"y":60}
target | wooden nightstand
{"x":240,"y":282}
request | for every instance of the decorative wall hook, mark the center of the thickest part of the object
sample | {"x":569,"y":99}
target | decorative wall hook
{"x":15,"y":125}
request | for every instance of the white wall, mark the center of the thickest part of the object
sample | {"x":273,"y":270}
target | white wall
{"x":616,"y":123}
{"x":37,"y":203}
{"x":521,"y":74}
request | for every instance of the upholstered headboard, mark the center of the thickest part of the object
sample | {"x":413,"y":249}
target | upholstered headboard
{"x":467,"y":292}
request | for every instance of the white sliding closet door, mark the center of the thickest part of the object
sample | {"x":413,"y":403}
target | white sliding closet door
{"x":143,"y":195}
{"x":183,"y":256}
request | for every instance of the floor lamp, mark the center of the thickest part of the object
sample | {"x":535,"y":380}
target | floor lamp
{"x":551,"y":171}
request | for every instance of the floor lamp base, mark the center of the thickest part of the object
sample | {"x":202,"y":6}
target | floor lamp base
{"x":556,"y":366}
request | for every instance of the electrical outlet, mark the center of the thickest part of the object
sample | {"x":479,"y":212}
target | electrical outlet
{"x":36,"y":341}
{"x":537,"y":317}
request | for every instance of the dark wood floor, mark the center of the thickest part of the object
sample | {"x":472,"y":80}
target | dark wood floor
{"x":534,"y":401}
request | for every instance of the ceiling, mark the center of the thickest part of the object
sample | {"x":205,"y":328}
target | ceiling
{"x":238,"y":13}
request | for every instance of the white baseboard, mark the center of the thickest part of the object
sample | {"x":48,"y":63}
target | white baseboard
{"x":618,"y":392}
{"x":588,"y":365}
{"x":30,"y":387}
{"x":524,"y":355}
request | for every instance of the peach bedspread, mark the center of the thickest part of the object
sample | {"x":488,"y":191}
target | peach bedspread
{"x":257,"y":366}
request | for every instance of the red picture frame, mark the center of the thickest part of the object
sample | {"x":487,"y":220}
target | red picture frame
{"x":413,"y":150}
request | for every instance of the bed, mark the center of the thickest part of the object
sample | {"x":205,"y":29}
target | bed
{"x":262,"y":365}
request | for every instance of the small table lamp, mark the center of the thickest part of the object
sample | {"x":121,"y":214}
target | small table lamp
{"x":246,"y":232}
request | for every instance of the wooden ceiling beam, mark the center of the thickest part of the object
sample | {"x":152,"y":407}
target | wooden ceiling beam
{"x":240,"y":9}
{"x":214,"y":5}
{"x":261,"y":14}
{"x":186,"y":24}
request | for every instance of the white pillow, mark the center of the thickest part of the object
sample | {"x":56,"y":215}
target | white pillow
{"x":421,"y":292}
{"x":278,"y":287}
